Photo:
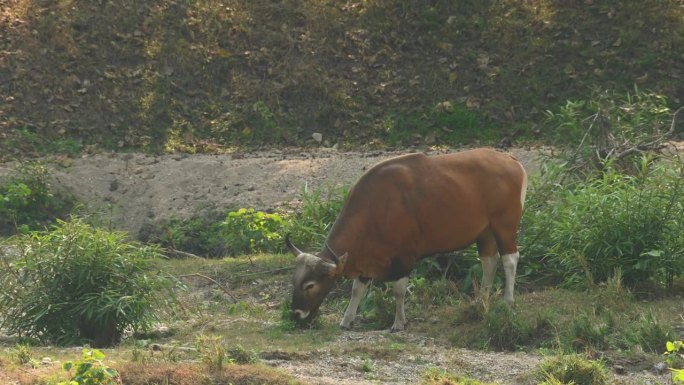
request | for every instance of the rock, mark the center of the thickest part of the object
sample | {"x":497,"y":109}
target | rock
{"x":317,"y":136}
{"x":660,"y":367}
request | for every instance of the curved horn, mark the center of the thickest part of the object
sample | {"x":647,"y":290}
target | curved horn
{"x":290,"y":246}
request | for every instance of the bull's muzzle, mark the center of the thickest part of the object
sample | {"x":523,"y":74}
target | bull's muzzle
{"x":300,"y":315}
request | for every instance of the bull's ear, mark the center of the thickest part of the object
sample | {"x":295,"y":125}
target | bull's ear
{"x":339,"y":267}
{"x":293,"y":249}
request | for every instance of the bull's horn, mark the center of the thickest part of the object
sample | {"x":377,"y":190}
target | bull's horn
{"x":290,"y":246}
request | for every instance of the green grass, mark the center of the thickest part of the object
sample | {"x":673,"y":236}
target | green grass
{"x":248,"y":323}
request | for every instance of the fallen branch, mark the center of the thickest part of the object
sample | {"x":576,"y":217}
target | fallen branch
{"x":211,"y":280}
{"x":181,"y":253}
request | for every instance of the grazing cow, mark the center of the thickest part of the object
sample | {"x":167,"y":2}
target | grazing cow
{"x":410,"y":207}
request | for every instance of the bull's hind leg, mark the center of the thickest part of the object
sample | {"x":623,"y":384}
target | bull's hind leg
{"x":359,"y":288}
{"x":489,"y":257}
{"x":506,"y":233}
{"x":510,"y":263}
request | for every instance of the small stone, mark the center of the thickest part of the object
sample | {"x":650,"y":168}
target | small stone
{"x":317,"y":136}
{"x":660,"y":367}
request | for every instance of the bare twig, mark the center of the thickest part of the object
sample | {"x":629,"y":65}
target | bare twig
{"x":181,"y":253}
{"x":653,"y":144}
{"x":211,"y":280}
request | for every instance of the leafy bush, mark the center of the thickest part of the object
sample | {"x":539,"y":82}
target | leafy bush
{"x":584,"y":232}
{"x":572,"y":369}
{"x":75,"y":284}
{"x":675,"y":356}
{"x":249,"y":231}
{"x":611,"y":127}
{"x":199,"y":235}
{"x":27,"y":201}
{"x":91,"y":370}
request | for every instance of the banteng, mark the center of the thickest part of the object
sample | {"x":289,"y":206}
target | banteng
{"x":410,"y":207}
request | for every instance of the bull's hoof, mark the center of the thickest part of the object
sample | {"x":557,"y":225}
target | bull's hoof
{"x":397,"y":328}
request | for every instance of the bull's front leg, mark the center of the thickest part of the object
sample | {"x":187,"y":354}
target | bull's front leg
{"x":399,"y":290}
{"x":489,"y":263}
{"x":359,"y":288}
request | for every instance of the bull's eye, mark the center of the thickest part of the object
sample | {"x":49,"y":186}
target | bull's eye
{"x":309,"y":285}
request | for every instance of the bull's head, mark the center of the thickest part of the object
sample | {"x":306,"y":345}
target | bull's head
{"x":313,"y":278}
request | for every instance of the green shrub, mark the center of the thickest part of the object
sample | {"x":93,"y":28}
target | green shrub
{"x":199,"y":235}
{"x":572,"y":369}
{"x":91,"y":370}
{"x":249,"y":231}
{"x":212,"y":351}
{"x":675,"y":357}
{"x":27,"y":201}
{"x":607,"y":124}
{"x":584,"y":232}
{"x":75,"y":284}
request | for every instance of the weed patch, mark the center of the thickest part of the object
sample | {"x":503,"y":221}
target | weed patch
{"x":572,"y":369}
{"x":28,"y":202}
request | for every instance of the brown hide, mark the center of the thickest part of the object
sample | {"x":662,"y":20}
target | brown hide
{"x":413,"y":206}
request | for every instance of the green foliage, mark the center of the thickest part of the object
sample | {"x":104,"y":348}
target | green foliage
{"x":317,"y":213}
{"x":590,"y":332}
{"x":24,"y":356}
{"x":585,"y":231}
{"x":240,"y":355}
{"x":675,"y":357}
{"x":572,"y":369}
{"x":286,"y":322}
{"x":75,"y":284}
{"x":606,"y":116}
{"x":27,"y":141}
{"x":503,"y":329}
{"x":379,"y":304}
{"x":91,"y":370}
{"x":200,"y":235}
{"x":436,"y":292}
{"x":27,"y":202}
{"x":648,"y":332}
{"x":446,"y":124}
{"x":249,"y":231}
{"x":246,"y":230}
{"x":212,"y":351}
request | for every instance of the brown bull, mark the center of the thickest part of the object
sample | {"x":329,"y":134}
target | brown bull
{"x":410,"y":207}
